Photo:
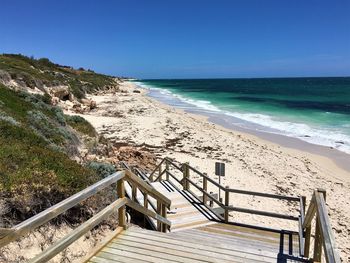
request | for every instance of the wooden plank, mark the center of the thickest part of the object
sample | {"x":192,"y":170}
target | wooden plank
{"x":78,"y":232}
{"x":106,"y":260}
{"x":55,"y":210}
{"x":111,"y":254}
{"x":262,"y":213}
{"x":139,"y":253}
{"x":197,"y":252}
{"x":122,"y":210}
{"x":178,"y":251}
{"x":329,"y":245}
{"x":195,"y":237}
{"x":310,"y":212}
{"x":102,"y":244}
{"x":281,"y":197}
{"x":187,"y":244}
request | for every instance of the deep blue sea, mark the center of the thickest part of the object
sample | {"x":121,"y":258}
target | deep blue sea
{"x":316,"y":110}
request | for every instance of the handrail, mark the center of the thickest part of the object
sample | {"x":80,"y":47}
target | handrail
{"x":323,"y":234}
{"x":148,"y":188}
{"x":63,"y":243}
{"x":59,"y":208}
{"x":9,"y":235}
{"x":185,"y":168}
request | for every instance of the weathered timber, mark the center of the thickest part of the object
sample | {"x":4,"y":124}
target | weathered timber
{"x":55,"y":210}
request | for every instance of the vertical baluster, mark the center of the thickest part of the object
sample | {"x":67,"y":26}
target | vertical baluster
{"x":145,"y":200}
{"x":121,"y":211}
{"x":164,"y":209}
{"x":167,"y":169}
{"x":205,"y":188}
{"x":184,"y":176}
{"x":188,"y":176}
{"x":227,"y":202}
{"x":134,"y":192}
{"x":160,"y":172}
{"x":159,"y":212}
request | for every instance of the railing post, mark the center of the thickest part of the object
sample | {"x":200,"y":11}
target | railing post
{"x":205,"y":188}
{"x":318,"y":234}
{"x":159,"y":212}
{"x":160,"y":172}
{"x":134,"y":192}
{"x":145,"y":200}
{"x":121,"y":211}
{"x":164,"y":226}
{"x":308,"y":236}
{"x":211,"y":202}
{"x":184,"y":176}
{"x":227,"y":202}
{"x":167,"y":169}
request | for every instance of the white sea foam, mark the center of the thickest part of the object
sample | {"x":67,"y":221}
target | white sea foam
{"x":325,"y":136}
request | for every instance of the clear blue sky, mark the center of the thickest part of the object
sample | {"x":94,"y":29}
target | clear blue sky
{"x":184,"y":39}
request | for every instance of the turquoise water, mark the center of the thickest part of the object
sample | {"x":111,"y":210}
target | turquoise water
{"x":316,"y":110}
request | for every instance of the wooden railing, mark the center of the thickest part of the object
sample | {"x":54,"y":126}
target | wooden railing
{"x":323,"y":235}
{"x":323,"y":231}
{"x":163,"y":203}
{"x":186,"y":182}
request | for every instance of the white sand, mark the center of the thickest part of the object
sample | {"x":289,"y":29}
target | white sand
{"x":251,"y":163}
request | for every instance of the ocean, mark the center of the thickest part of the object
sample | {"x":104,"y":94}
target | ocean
{"x":316,"y":110}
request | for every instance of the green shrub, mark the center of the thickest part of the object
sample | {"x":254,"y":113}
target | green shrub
{"x":26,"y":159}
{"x":102,"y":169}
{"x":81,"y":125}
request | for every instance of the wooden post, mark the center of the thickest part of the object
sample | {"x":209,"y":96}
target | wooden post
{"x":164,"y":226}
{"x":307,"y":241}
{"x":121,"y":211}
{"x":318,"y":234}
{"x":160,"y":172}
{"x":167,"y":169}
{"x":318,"y":243}
{"x":184,"y":170}
{"x":205,"y":188}
{"x":211,"y":202}
{"x":187,"y":176}
{"x":159,"y":212}
{"x":145,"y":200}
{"x":227,"y":202}
{"x":134,"y":192}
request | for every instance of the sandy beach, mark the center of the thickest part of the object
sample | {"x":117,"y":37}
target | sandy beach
{"x":252,"y":163}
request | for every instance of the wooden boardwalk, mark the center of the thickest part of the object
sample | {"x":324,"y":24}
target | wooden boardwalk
{"x":211,"y":243}
{"x":196,"y":236}
{"x":186,"y":210}
{"x":188,"y":229}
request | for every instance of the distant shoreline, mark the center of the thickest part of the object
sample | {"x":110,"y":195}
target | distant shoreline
{"x":341,"y":159}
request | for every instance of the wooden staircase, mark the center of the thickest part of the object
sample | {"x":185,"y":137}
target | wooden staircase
{"x":189,"y":230}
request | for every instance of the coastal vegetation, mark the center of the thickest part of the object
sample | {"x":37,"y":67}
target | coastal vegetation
{"x":40,"y":147}
{"x":36,"y":143}
{"x":42,"y":72}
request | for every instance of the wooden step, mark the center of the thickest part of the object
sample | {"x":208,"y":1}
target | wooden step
{"x":140,"y":245}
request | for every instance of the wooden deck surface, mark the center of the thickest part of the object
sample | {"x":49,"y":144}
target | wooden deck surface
{"x":185,"y":212}
{"x":195,"y":237}
{"x":211,"y":243}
